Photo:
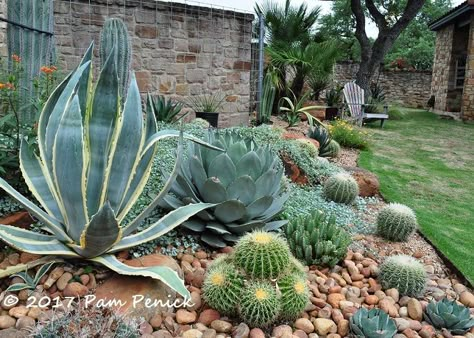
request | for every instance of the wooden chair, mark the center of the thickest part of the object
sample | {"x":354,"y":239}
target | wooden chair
{"x":355,"y":100}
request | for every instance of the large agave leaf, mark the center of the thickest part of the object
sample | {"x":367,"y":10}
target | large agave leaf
{"x":213,"y":240}
{"x":214,"y":191}
{"x":102,"y":232}
{"x":50,"y":223}
{"x":69,"y":169}
{"x":126,"y":156}
{"x":266,"y":183}
{"x":223,"y":168}
{"x":250,"y":165}
{"x":162,"y":273}
{"x":242,"y":189}
{"x":31,"y":242}
{"x":258,"y":207}
{"x":230,"y":211}
{"x":162,"y":226}
{"x":197,"y":171}
{"x":194,"y":225}
{"x":101,"y":123}
{"x":275,"y":225}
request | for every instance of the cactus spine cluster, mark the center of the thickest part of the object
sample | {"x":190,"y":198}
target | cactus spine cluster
{"x":262,"y":254}
{"x":396,"y":222}
{"x":341,"y":188}
{"x":404,"y":273}
{"x":260,"y":281}
{"x":317,"y":240}
{"x":115,"y":42}
{"x":260,"y":305}
{"x":35,"y":49}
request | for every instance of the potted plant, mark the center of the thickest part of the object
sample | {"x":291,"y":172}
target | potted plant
{"x":333,"y":99}
{"x":206,"y":106}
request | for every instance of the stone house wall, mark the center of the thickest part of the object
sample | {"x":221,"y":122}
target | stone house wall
{"x":406,"y":88}
{"x":468,"y":93}
{"x":179,"y":50}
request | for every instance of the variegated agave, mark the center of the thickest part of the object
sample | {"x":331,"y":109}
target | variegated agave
{"x":94,"y":161}
{"x":244,"y":182}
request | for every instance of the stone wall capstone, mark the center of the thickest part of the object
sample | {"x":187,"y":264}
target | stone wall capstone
{"x":179,"y":49}
{"x":406,"y":88}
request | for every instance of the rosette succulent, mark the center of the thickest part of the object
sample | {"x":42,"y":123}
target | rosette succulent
{"x":372,"y":324}
{"x":93,"y":163}
{"x":244,"y":183}
{"x":447,"y":314}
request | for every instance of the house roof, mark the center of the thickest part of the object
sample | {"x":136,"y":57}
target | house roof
{"x":453,"y":15}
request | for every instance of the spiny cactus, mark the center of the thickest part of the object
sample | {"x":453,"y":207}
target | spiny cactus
{"x":259,"y":304}
{"x":223,"y":286}
{"x":341,"y":188}
{"x":404,"y":273}
{"x":449,"y":315}
{"x":332,"y":150}
{"x":317,"y":240}
{"x":396,"y":222}
{"x":294,"y":295}
{"x":35,"y":49}
{"x":373,"y":323}
{"x":262,"y":254}
{"x":114,"y":39}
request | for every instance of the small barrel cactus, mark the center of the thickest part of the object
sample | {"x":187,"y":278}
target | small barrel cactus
{"x":341,"y":188}
{"x":294,"y":295}
{"x":404,"y":273}
{"x":372,"y":324}
{"x":259,"y":304}
{"x":396,"y":222}
{"x":223,"y":286}
{"x":262,"y":254}
{"x":449,"y":315}
{"x":317,"y":240}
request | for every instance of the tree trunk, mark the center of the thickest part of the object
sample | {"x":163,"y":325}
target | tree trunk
{"x":372,"y":55}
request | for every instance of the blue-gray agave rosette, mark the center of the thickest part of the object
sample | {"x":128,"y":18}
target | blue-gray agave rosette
{"x":94,"y":160}
{"x":244,"y":182}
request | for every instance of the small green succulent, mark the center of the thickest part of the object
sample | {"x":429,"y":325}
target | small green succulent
{"x":372,"y":324}
{"x":448,"y":314}
{"x":30,"y":283}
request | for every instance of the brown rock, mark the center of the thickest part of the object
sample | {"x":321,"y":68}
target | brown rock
{"x":34,"y":312}
{"x":18,"y":311}
{"x":53,"y":277}
{"x":26,"y":257}
{"x":324,"y":326}
{"x":185,"y":316}
{"x":156,"y":321}
{"x":21,"y":219}
{"x":415,"y":310}
{"x":372,"y":300}
{"x":343,"y":327}
{"x":300,"y":334}
{"x":296,"y":174}
{"x":193,"y":333}
{"x":7,"y":322}
{"x":368,"y":182}
{"x":467,"y":299}
{"x":241,"y":331}
{"x":25,"y":323}
{"x":304,"y":324}
{"x":62,"y":282}
{"x":257,"y":333}
{"x":208,"y":316}
{"x":334,"y":299}
{"x":221,"y":326}
{"x":209,"y":333}
{"x":387,"y":305}
{"x":282,"y":331}
{"x":75,"y":289}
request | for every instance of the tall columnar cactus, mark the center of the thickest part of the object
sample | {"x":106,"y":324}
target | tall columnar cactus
{"x":341,"y":188}
{"x":317,"y":240}
{"x":262,"y":254}
{"x":36,"y":49}
{"x":259,"y":305}
{"x":404,"y":273}
{"x":268,"y":98}
{"x":114,"y":39}
{"x":396,"y":222}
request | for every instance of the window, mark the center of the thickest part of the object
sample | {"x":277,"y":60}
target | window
{"x":460,"y":71}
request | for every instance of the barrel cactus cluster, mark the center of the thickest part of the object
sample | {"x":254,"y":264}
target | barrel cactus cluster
{"x":244,"y":182}
{"x":317,"y":240}
{"x":373,"y":323}
{"x":260,"y":282}
{"x":341,"y":188}
{"x":449,"y":315}
{"x":396,"y":222}
{"x":404,"y":273}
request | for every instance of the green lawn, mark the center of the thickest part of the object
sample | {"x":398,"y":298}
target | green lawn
{"x":428,"y":164}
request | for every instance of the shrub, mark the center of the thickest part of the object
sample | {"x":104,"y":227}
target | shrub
{"x":373,"y":323}
{"x":317,"y":240}
{"x":449,"y":315}
{"x":348,"y":135}
{"x":404,"y":273}
{"x":244,"y":183}
{"x":395,"y":113}
{"x":396,"y":222}
{"x":341,"y":188}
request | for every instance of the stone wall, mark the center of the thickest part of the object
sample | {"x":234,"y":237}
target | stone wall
{"x":441,"y":67}
{"x":406,"y":88}
{"x":468,"y":93}
{"x":179,"y":50}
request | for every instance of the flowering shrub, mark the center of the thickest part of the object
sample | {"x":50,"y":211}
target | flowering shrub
{"x":348,"y":135}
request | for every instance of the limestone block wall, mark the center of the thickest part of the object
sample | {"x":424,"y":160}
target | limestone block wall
{"x":407,"y":88}
{"x":468,"y":93}
{"x":179,"y":49}
{"x":441,"y":67}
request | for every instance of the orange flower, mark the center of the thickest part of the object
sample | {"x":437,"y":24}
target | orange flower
{"x":16,"y":58}
{"x":2,"y":85}
{"x":48,"y":70}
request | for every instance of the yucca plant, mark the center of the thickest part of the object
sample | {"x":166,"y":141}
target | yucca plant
{"x":94,"y":161}
{"x":165,"y":110}
{"x":447,"y":314}
{"x":244,"y":182}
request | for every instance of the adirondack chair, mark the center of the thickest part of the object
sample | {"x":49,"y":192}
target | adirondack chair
{"x":355,"y":101}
